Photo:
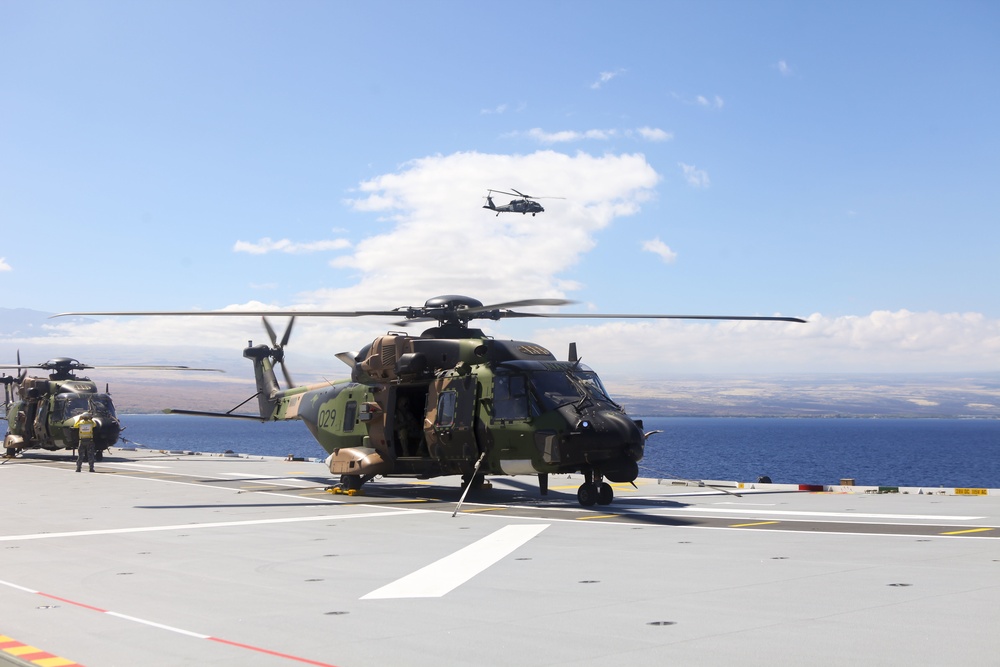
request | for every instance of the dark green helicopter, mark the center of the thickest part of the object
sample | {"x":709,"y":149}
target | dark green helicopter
{"x":454,"y":401}
{"x":42,"y":412}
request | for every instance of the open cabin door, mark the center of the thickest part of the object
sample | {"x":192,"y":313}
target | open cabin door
{"x":449,"y":426}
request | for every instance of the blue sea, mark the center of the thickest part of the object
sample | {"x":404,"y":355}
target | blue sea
{"x":881,"y":452}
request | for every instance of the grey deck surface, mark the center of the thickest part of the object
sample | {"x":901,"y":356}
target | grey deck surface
{"x":163,"y":560}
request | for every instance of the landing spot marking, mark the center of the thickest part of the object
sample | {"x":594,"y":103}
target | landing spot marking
{"x":193,"y":526}
{"x":47,"y":660}
{"x":113,"y":464}
{"x":452,"y":571}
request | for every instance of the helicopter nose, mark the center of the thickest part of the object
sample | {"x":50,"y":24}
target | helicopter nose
{"x":609,"y":434}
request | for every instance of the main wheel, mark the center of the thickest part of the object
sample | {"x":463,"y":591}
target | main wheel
{"x":587,"y":494}
{"x":351,"y":482}
{"x":605,"y":494}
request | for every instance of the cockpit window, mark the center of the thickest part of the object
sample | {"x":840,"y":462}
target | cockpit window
{"x":556,"y":388}
{"x":102,"y":404}
{"x":70,"y":405}
{"x":510,"y":397}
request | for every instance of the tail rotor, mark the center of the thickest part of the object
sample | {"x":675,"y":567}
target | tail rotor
{"x":278,"y":349}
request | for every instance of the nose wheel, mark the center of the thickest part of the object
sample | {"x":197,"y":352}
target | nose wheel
{"x":594,"y":491}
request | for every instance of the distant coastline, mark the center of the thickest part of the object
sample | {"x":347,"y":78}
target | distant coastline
{"x":820,"y":397}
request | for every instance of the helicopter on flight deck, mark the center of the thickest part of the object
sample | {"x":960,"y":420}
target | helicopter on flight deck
{"x":42,"y":412}
{"x":454,"y":401}
{"x":526,"y":203}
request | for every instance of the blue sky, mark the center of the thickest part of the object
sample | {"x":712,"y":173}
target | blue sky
{"x":833,"y":161}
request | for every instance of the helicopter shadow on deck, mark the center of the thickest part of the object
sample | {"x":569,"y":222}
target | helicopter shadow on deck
{"x":512,"y":495}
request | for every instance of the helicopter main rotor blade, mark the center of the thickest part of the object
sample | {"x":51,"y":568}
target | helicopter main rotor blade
{"x":414,"y":314}
{"x":636,"y":316}
{"x":515,"y":304}
{"x":232,"y":313}
{"x":130,"y":367}
{"x":532,"y":196}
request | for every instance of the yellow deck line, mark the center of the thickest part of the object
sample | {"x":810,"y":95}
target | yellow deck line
{"x":971,"y":530}
{"x":758,"y":523}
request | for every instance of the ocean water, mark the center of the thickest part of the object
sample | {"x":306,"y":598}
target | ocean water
{"x":883,"y":452}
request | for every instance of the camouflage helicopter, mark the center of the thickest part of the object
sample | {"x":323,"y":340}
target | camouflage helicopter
{"x":42,"y":413}
{"x":454,"y":401}
{"x":526,"y":203}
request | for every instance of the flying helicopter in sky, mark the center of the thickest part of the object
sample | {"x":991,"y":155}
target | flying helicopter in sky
{"x":526,"y":203}
{"x":454,"y":401}
{"x":42,"y":412}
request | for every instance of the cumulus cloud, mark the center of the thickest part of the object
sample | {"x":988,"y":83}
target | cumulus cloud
{"x":266,"y":245}
{"x":567,"y":136}
{"x":4,"y":266}
{"x":658,"y":247}
{"x":441,"y":241}
{"x":882,"y":341}
{"x":695,"y":177}
{"x":605,"y":77}
{"x":783,"y":67}
{"x":654,"y":134}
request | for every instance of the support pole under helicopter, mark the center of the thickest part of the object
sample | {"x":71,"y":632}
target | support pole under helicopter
{"x":468,"y":486}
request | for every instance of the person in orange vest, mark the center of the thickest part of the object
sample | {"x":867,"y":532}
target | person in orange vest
{"x":85,"y":426}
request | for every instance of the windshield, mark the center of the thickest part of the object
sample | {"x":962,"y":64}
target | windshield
{"x":70,"y":405}
{"x":102,"y":405}
{"x":556,"y":388}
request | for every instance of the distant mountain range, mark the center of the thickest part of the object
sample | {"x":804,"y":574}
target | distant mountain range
{"x":18,"y":322}
{"x":902,"y":395}
{"x":857,"y":395}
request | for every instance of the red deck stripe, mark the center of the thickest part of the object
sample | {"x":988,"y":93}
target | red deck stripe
{"x":274,"y":653}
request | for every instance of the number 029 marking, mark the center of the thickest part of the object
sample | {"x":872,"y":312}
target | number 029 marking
{"x":327,"y":418}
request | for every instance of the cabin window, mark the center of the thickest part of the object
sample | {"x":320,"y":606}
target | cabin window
{"x":446,"y":409}
{"x":510,"y":397}
{"x":350,"y":415}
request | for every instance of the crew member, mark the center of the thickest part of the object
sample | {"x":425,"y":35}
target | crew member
{"x":86,"y":426}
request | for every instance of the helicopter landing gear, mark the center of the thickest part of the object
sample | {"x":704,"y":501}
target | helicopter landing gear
{"x":353,"y":483}
{"x":594,"y":491}
{"x":605,"y":494}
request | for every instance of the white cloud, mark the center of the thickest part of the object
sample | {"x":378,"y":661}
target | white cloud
{"x":694,"y":176}
{"x":4,"y":266}
{"x":266,"y":245}
{"x":442,"y":238}
{"x":567,"y":136}
{"x":605,"y":77}
{"x":784,"y":68}
{"x":882,"y":341}
{"x":499,"y":109}
{"x":654,"y":134}
{"x":712,"y":103}
{"x":658,"y":247}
